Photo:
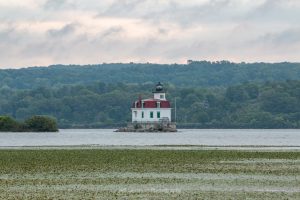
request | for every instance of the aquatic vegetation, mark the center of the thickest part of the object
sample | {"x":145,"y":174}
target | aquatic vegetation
{"x":151,"y":174}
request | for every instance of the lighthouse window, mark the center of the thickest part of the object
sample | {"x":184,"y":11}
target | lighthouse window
{"x":143,"y":114}
{"x":158,"y":114}
{"x":162,"y":96}
{"x":151,"y":114}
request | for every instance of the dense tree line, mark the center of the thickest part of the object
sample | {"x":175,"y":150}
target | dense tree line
{"x":193,"y":74}
{"x":32,"y":124}
{"x":248,"y":105}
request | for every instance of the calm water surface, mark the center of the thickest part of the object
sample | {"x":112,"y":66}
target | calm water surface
{"x":212,"y":137}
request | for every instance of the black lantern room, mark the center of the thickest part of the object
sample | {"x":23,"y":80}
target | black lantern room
{"x":159,"y":88}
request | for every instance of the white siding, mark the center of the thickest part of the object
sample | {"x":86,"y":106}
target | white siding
{"x":137,"y":114}
{"x":161,"y":96}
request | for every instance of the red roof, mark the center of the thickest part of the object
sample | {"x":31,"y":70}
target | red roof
{"x":151,"y":103}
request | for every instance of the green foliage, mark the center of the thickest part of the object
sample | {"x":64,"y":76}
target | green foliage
{"x":236,"y":94}
{"x":8,"y":124}
{"x":41,"y":124}
{"x":194,"y":74}
{"x":32,"y":124}
{"x":249,"y":105}
{"x":280,"y":102}
{"x":242,"y":93}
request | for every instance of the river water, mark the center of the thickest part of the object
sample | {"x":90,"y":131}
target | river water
{"x":107,"y":137}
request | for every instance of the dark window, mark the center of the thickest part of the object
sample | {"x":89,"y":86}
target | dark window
{"x":142,"y":114}
{"x":158,"y":114}
{"x":151,"y":114}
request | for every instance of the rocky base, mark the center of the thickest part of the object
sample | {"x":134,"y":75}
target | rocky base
{"x":149,"y":127}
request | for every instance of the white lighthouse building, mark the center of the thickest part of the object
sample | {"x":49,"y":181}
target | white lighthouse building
{"x":156,"y":109}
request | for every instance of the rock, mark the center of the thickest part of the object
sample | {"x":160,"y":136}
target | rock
{"x":149,"y":127}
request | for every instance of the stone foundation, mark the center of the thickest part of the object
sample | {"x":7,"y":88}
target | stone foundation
{"x":149,"y":127}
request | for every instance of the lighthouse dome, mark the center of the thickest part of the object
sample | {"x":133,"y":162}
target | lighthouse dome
{"x":159,"y":88}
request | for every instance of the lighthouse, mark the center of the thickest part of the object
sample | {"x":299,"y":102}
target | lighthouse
{"x":153,"y":110}
{"x":151,"y":115}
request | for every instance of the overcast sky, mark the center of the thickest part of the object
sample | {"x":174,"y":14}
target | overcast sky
{"x":44,"y":32}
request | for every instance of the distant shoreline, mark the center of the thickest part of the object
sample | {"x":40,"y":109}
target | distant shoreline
{"x":247,"y":148}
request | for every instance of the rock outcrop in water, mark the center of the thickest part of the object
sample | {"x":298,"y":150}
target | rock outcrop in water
{"x":149,"y":127}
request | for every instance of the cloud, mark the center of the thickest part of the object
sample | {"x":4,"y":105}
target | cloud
{"x":43,"y":32}
{"x":276,"y":11}
{"x":66,"y":30}
{"x":112,"y":31}
{"x":123,"y":8}
{"x":191,"y":14}
{"x":283,"y":38}
{"x":58,"y":4}
{"x":6,"y":34}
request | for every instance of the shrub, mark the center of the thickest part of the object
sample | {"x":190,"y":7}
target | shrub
{"x":41,"y":124}
{"x":8,"y":124}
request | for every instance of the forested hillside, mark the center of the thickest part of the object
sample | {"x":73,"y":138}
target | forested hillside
{"x":248,"y":105}
{"x":194,"y":74}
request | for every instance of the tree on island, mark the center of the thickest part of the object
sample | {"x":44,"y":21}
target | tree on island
{"x":32,"y":124}
{"x":8,"y":124}
{"x":41,"y":124}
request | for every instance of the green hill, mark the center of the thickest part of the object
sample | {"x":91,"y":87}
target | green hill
{"x":202,"y":73}
{"x":249,"y":105}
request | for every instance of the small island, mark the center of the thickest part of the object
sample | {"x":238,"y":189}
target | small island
{"x":32,"y":124}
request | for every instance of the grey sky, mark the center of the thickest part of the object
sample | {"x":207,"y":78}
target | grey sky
{"x":43,"y":32}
